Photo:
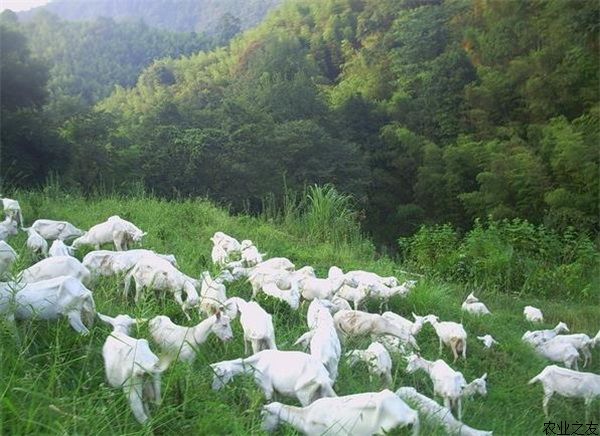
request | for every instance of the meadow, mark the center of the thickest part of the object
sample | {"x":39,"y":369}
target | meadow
{"x":54,"y":383}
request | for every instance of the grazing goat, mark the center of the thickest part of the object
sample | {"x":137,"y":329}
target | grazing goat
{"x":108,"y":263}
{"x":156,"y":273}
{"x":12,"y":210}
{"x":256,"y":323}
{"x":55,"y":267}
{"x":488,"y":341}
{"x":539,"y":336}
{"x":568,"y":383}
{"x":377,"y":359}
{"x":412,"y":328}
{"x":356,"y":294}
{"x":213,"y":292}
{"x":438,"y":414}
{"x":447,"y":383}
{"x":51,"y":230}
{"x":313,"y":287}
{"x":358,"y":414}
{"x":290,"y":373}
{"x":59,"y":248}
{"x":7,"y":257}
{"x":474,"y":306}
{"x":130,"y":364}
{"x":451,"y":334}
{"x":563,"y":352}
{"x":533,"y":314}
{"x":178,"y":342}
{"x":357,"y":323}
{"x":322,"y":339}
{"x":52,"y":299}
{"x":115,"y":230}
{"x":8,"y":228}
{"x":250,"y":254}
{"x":229,"y":244}
{"x":581,"y":342}
{"x":36,"y":243}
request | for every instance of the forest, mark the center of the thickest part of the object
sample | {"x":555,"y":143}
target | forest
{"x":425,"y":111}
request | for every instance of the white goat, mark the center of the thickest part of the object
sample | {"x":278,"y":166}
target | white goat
{"x":7,"y":257}
{"x":533,"y":314}
{"x":250,"y":254}
{"x":357,"y":323}
{"x":156,"y":273}
{"x":256,"y":323}
{"x":290,"y":373}
{"x":451,"y":334}
{"x":438,"y":414}
{"x":488,"y":341}
{"x":408,"y":326}
{"x":322,"y":339}
{"x":563,"y":352}
{"x":130,"y":364}
{"x":378,"y":361}
{"x":219,"y":256}
{"x":212,"y":292}
{"x":536,"y":337}
{"x":474,"y":306}
{"x":447,"y":383}
{"x":115,"y":229}
{"x":52,"y":299}
{"x":36,"y":243}
{"x":568,"y":383}
{"x":358,"y":414}
{"x":12,"y":210}
{"x":51,"y":230}
{"x":581,"y":342}
{"x":356,"y":294}
{"x":109,"y":263}
{"x":8,"y":228}
{"x":55,"y":267}
{"x":180,"y":343}
{"x":59,"y":248}
{"x":313,"y":287}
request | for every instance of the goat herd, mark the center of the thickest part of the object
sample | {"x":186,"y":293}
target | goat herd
{"x":56,"y":287}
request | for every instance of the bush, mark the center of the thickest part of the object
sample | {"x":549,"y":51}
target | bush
{"x":508,"y":256}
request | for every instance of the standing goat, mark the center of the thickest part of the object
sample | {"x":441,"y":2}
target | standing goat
{"x":377,"y":359}
{"x":451,"y":334}
{"x":257,"y":324}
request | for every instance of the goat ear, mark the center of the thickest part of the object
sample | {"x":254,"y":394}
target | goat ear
{"x":144,"y":233}
{"x":105,"y":318}
{"x":484,"y":376}
{"x":218,"y":314}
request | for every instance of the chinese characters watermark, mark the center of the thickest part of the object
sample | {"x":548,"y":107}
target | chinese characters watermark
{"x":563,"y":428}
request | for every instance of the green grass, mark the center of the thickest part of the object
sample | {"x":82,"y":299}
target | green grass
{"x":53,"y":383}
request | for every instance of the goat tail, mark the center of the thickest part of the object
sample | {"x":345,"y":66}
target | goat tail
{"x":533,"y":380}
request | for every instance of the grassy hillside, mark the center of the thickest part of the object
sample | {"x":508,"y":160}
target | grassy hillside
{"x":54,"y":382}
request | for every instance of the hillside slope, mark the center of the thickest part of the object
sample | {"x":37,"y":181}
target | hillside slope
{"x":54,"y":381}
{"x":176,"y":15}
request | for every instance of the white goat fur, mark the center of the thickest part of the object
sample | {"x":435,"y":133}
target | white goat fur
{"x":7,"y":257}
{"x":568,"y":383}
{"x":451,"y":334}
{"x":130,"y":364}
{"x":378,"y":361}
{"x":12,"y":210}
{"x":179,"y":342}
{"x":438,"y":414}
{"x":156,"y":273}
{"x":358,"y":414}
{"x":50,"y":300}
{"x":59,"y":248}
{"x":115,"y":229}
{"x":487,"y":340}
{"x":36,"y":243}
{"x":8,"y":228}
{"x":474,"y":306}
{"x":55,"y":267}
{"x":256,"y":323}
{"x":51,"y":229}
{"x":533,"y":314}
{"x":290,"y":373}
